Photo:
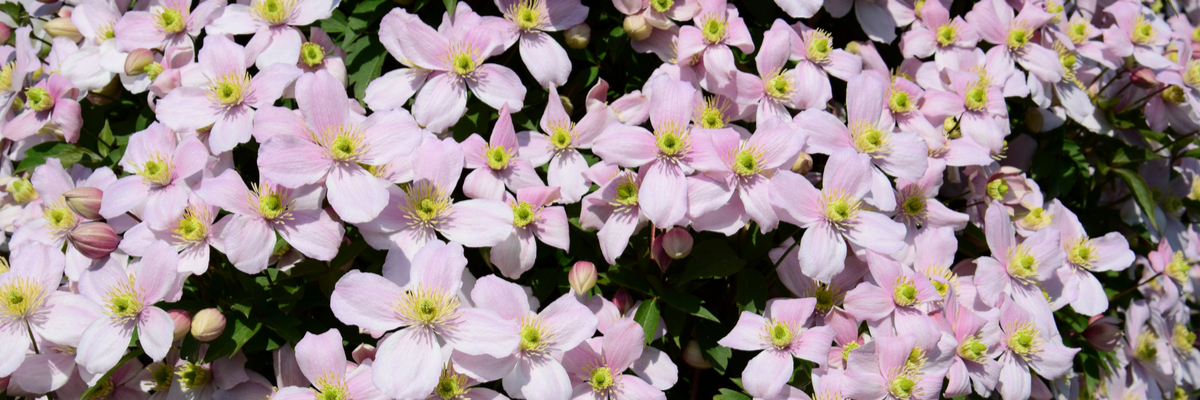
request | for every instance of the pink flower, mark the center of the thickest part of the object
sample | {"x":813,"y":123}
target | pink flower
{"x":422,"y":208}
{"x":323,"y":362}
{"x":616,"y":210}
{"x":457,"y":59}
{"x":717,"y":26}
{"x":128,"y":295}
{"x":1013,"y":37}
{"x":560,"y":139}
{"x":164,"y":24}
{"x":774,"y":90}
{"x":834,"y":214}
{"x":974,"y":364}
{"x":901,"y":154}
{"x":270,"y":209}
{"x":1027,"y":344}
{"x":1015,"y":268}
{"x":939,"y":36}
{"x":734,"y":187}
{"x":428,"y":307}
{"x":1085,"y":255}
{"x":1138,"y":33}
{"x":51,"y":104}
{"x":817,"y":59}
{"x":273,"y":23}
{"x":665,"y":155}
{"x":19,"y":61}
{"x":529,"y":21}
{"x":900,"y":297}
{"x":331,"y":143}
{"x":53,"y":315}
{"x":193,"y":233}
{"x":597,"y":367}
{"x":782,"y":333}
{"x":532,"y":217}
{"x":531,"y":371}
{"x":976,"y":104}
{"x":394,"y":88}
{"x":161,"y":167}
{"x":899,"y":367}
{"x":321,"y":53}
{"x":496,"y":162}
{"x":919,"y":207}
{"x":229,"y":95}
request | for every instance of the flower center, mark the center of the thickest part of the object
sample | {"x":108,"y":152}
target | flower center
{"x":1178,"y":268}
{"x":427,"y":202}
{"x":523,"y":214}
{"x":997,"y":188}
{"x":1143,"y":33}
{"x":273,"y":12}
{"x":193,"y":376}
{"x":819,"y":45}
{"x":270,"y":206}
{"x":904,"y":293}
{"x":124,"y":301}
{"x":38,"y":99}
{"x":1080,"y":253}
{"x":345,"y":143}
{"x":462,"y":59}
{"x":60,"y":217}
{"x":902,"y":387}
{"x":1037,"y":219}
{"x":1022,"y":266}
{"x":1174,"y":95}
{"x":229,"y":89}
{"x":710,"y":115}
{"x":976,"y":98}
{"x":946,"y":35}
{"x":1078,"y":32}
{"x":526,"y":14}
{"x":824,"y":299}
{"x":156,"y":170}
{"x":713,"y":28}
{"x":747,"y":162}
{"x":153,"y":69}
{"x":312,"y":54}
{"x":916,"y":360}
{"x":779,"y":334}
{"x":601,"y":379}
{"x":1146,"y":348}
{"x":848,"y":348}
{"x":1025,"y":341}
{"x":192,"y":227}
{"x":560,"y":136}
{"x":1192,"y":76}
{"x":868,"y":139}
{"x":899,"y":102}
{"x":450,"y":384}
{"x":20,"y":298}
{"x":627,"y":191}
{"x":536,"y":336}
{"x":672,"y":140}
{"x":662,"y":5}
{"x":840,"y":208}
{"x":427,"y":306}
{"x":1182,"y":338}
{"x":1017,"y":39}
{"x":779,"y":86}
{"x":914,"y":205}
{"x":6,"y":75}
{"x":497,"y":157}
{"x":973,"y":349}
{"x":170,"y":20}
{"x":22,"y":190}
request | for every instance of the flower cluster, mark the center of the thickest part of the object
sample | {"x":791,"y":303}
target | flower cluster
{"x":213,"y":200}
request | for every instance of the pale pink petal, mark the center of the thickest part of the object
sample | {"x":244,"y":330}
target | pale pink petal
{"x":478,"y":223}
{"x":407,"y":364}
{"x":363,"y":300}
{"x":293,"y":162}
{"x":441,"y":102}
{"x":496,"y":85}
{"x":545,"y":59}
{"x":481,"y":331}
{"x":767,"y":373}
{"x":313,"y":233}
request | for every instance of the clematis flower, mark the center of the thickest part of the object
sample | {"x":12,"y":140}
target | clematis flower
{"x":597,"y":367}
{"x":816,"y":60}
{"x":164,"y":24}
{"x":18,"y":61}
{"x":1015,"y":268}
{"x":532,"y":217}
{"x":899,"y":367}
{"x":52,"y":217}
{"x":976,"y":104}
{"x":531,"y":371}
{"x":161,"y":166}
{"x":665,"y":155}
{"x":734,"y":187}
{"x":323,"y":362}
{"x":419,"y":210}
{"x":974,"y":365}
{"x":408,"y":361}
{"x":717,"y":27}
{"x":898,"y":298}
{"x":165,"y":73}
{"x":331,"y":143}
{"x":1013,"y":37}
{"x":216,"y":379}
{"x":833,"y":214}
{"x":559,"y":142}
{"x":529,"y":21}
{"x":782,"y":333}
{"x":496,"y":163}
{"x":830,"y":296}
{"x":918,"y":203}
{"x":321,"y":53}
{"x":939,"y":36}
{"x":32,"y":303}
{"x":394,"y":88}
{"x":192,"y":234}
{"x":229,"y":96}
{"x":1027,"y":345}
{"x":774,"y":90}
{"x":273,"y":23}
{"x":269,"y":209}
{"x":128,"y":295}
{"x":51,"y":104}
{"x":1138,"y":33}
{"x":1082,"y":34}
{"x":457,"y":61}
{"x":659,"y":13}
{"x":1173,"y":266}
{"x":617,"y":212}
{"x":1085,"y":255}
{"x":901,"y":154}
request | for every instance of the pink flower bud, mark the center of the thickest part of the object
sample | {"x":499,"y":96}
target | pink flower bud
{"x":659,"y":255}
{"x":582,"y":277}
{"x":208,"y":324}
{"x":623,"y":301}
{"x":62,"y":27}
{"x":677,"y":242}
{"x":5,"y":32}
{"x":1144,"y":78}
{"x":137,"y":61}
{"x":803,"y":164}
{"x":94,"y":239}
{"x":183,"y":322}
{"x":578,"y":36}
{"x":637,"y":28}
{"x":85,"y":201}
{"x":1103,"y":333}
{"x":694,"y":357}
{"x":363,"y":352}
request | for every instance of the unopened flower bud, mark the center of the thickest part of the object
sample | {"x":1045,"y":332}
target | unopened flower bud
{"x":5,"y":32}
{"x":803,"y":164}
{"x":566,"y":103}
{"x":1144,"y":78}
{"x":62,"y":27}
{"x":84,"y":201}
{"x":137,"y":61}
{"x":853,"y":47}
{"x":693,"y":357}
{"x":623,"y":301}
{"x":1034,"y":120}
{"x":183,"y":322}
{"x":579,"y":35}
{"x":677,"y":243}
{"x":1103,"y":333}
{"x":363,"y":352}
{"x":582,"y":277}
{"x":208,"y":324}
{"x":94,"y":239}
{"x":637,"y":28}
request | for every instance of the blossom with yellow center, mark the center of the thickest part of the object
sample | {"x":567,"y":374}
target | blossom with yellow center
{"x":1036,"y":219}
{"x":839,"y":209}
{"x":1146,"y":348}
{"x":192,"y":227}
{"x":778,"y":333}
{"x":171,"y":20}
{"x":20,"y":297}
{"x":59,"y":217}
{"x":976,"y":97}
{"x":272,"y":12}
{"x":1174,"y":95}
{"x":1178,"y":268}
{"x":157,"y":170}
{"x":904,"y":292}
{"x":427,"y":306}
{"x":528,"y":15}
{"x":344,"y":143}
{"x":673,"y":140}
{"x":1025,"y":340}
{"x":627,"y":192}
{"x":193,"y":376}
{"x":709,"y":114}
{"x":37,"y":98}
{"x":22,"y":190}
{"x":713,"y":26}
{"x":6,"y":75}
{"x":1142,"y":33}
{"x":746,"y":161}
{"x":1022,"y":265}
{"x":947,"y":34}
{"x":123,"y":301}
{"x":451,"y":384}
{"x":819,"y":45}
{"x":1078,"y":30}
{"x":778,"y":85}
{"x":331,"y":386}
{"x":1018,"y":37}
{"x":869,"y":139}
{"x":1182,"y":338}
{"x":312,"y":54}
{"x":498,"y":157}
{"x":229,"y":89}
{"x":523,"y":214}
{"x":536,"y":336}
{"x":562,"y":135}
{"x":973,"y":349}
{"x":462,"y":59}
{"x":428,"y":204}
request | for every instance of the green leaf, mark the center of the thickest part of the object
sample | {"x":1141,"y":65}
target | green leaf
{"x":366,"y":62}
{"x":630,"y":279}
{"x":751,"y":291}
{"x":106,"y":140}
{"x":238,"y":331}
{"x":647,"y":316}
{"x":730,"y":394}
{"x":712,"y":259}
{"x":450,"y":4}
{"x":67,"y":153}
{"x":131,"y":355}
{"x":688,"y":304}
{"x":1141,"y":193}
